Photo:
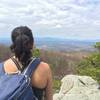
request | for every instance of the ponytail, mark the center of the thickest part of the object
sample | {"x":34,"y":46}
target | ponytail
{"x":22,"y":44}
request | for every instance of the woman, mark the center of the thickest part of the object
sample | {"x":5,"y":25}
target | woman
{"x":22,"y":45}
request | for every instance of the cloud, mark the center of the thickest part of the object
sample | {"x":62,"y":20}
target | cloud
{"x":67,"y":18}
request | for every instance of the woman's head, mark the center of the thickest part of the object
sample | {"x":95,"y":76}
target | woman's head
{"x":22,"y":40}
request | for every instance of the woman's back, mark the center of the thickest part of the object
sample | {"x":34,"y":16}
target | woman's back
{"x":22,"y":47}
{"x":40,"y":77}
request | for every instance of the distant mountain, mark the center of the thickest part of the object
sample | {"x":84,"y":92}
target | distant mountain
{"x":65,"y":44}
{"x":5,"y":41}
{"x":59,"y":44}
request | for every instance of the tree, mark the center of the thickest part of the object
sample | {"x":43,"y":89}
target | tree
{"x":91,"y":65}
{"x":97,"y":45}
{"x":36,"y":52}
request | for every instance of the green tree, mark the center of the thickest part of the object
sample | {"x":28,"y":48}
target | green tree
{"x":36,"y":52}
{"x":97,"y":45}
{"x":90,"y":66}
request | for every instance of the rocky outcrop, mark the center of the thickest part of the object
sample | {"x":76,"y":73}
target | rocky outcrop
{"x":78,"y":88}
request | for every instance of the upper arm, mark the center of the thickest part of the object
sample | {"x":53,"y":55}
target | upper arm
{"x":49,"y":91}
{"x":42,"y":78}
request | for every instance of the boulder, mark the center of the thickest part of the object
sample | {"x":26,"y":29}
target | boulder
{"x":76,"y":87}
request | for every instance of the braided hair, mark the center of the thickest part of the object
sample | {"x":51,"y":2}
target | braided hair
{"x":22,"y":43}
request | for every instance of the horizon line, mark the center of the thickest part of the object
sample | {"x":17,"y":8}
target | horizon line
{"x":81,"y":39}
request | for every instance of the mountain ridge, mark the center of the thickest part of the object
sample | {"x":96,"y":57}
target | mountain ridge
{"x":59,"y":44}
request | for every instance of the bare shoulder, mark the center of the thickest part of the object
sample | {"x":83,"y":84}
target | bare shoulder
{"x":9,"y":66}
{"x":45,"y":66}
{"x":8,"y":62}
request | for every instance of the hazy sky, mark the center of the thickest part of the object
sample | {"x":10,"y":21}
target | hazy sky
{"x":55,"y":18}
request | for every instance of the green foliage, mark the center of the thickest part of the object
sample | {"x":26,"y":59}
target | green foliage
{"x":96,"y":59}
{"x":36,"y":52}
{"x":97,"y":45}
{"x":90,"y":71}
{"x":90,"y":66}
{"x":56,"y":85}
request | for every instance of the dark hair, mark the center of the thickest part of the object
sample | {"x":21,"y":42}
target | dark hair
{"x":23,"y":40}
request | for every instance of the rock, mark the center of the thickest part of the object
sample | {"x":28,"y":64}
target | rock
{"x":76,"y":87}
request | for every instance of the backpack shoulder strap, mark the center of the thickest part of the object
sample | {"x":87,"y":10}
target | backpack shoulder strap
{"x":31,"y":67}
{"x":2,"y":68}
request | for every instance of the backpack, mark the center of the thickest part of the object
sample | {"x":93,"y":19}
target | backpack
{"x":18,"y":86}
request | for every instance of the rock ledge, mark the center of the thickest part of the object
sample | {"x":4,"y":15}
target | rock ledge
{"x":76,"y":87}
